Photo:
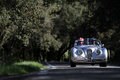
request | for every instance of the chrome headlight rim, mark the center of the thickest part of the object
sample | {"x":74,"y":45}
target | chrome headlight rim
{"x":98,"y":52}
{"x":80,"y":52}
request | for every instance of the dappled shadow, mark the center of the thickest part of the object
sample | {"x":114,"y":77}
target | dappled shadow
{"x":81,"y":72}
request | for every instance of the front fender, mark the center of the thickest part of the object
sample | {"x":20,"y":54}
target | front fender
{"x":104,"y":50}
{"x":72,"y":53}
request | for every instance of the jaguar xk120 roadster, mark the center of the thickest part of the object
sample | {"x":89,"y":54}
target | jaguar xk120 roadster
{"x":88,"y":50}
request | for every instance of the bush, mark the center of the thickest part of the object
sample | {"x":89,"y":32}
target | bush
{"x":20,"y":68}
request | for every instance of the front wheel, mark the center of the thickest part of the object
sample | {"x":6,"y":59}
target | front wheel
{"x":92,"y":64}
{"x":72,"y":64}
{"x":103,"y":64}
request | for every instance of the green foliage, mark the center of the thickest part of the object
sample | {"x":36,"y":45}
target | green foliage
{"x":50,"y":42}
{"x":20,"y":68}
{"x":66,"y":56}
{"x":44,"y":29}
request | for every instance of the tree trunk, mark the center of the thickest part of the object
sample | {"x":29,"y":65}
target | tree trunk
{"x":23,"y":54}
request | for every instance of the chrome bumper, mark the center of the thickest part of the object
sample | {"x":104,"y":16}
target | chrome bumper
{"x":75,"y":60}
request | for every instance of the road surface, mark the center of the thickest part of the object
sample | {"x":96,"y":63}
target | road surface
{"x":62,"y":71}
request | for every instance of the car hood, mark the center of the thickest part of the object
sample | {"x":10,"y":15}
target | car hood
{"x":86,"y":47}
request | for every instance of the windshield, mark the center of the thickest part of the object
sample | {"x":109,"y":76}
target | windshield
{"x":88,"y":41}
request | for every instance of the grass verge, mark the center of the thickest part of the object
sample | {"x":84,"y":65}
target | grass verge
{"x":20,"y":68}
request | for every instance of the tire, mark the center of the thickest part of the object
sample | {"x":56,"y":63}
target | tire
{"x":72,"y":64}
{"x":92,"y":64}
{"x":103,"y":64}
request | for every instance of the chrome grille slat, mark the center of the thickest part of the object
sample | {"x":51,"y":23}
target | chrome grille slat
{"x":89,"y":54}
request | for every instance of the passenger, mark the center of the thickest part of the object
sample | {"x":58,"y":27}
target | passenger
{"x":93,"y":41}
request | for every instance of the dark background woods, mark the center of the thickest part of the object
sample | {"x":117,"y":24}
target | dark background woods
{"x":43,"y":30}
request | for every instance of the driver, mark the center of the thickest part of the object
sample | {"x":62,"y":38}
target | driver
{"x":80,"y":41}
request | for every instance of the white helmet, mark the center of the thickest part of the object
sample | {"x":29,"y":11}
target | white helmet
{"x":81,"y":39}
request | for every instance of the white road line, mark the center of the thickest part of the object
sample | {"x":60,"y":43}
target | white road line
{"x":53,"y":67}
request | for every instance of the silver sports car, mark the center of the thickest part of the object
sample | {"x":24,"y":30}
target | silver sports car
{"x":88,"y":50}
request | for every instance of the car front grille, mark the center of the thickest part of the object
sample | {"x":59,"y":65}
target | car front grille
{"x":89,"y":54}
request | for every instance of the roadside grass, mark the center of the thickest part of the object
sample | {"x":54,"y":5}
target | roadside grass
{"x":20,"y":68}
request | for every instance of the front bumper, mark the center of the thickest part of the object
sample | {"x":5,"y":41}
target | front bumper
{"x":83,"y":60}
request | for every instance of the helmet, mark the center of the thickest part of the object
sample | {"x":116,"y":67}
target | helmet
{"x":93,"y":39}
{"x":81,"y":39}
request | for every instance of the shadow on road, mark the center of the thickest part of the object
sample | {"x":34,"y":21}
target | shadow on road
{"x":63,"y":71}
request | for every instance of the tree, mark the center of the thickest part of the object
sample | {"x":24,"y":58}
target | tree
{"x":105,"y":24}
{"x":71,"y":22}
{"x":46,"y":29}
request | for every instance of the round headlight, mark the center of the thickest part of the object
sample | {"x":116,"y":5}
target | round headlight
{"x":79,"y":52}
{"x":98,"y":52}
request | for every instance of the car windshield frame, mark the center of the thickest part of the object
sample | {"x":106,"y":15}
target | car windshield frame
{"x":88,"y":41}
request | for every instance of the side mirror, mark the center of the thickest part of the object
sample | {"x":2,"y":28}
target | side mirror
{"x":102,"y":45}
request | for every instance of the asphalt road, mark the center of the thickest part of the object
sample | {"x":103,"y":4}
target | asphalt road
{"x":62,"y":71}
